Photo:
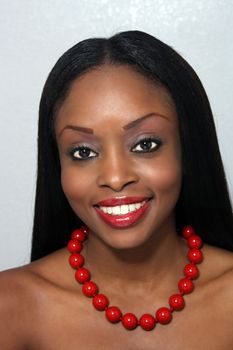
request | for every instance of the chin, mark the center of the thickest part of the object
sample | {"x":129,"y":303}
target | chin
{"x":125,"y":240}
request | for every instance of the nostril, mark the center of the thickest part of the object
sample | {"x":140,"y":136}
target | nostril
{"x":117,"y":178}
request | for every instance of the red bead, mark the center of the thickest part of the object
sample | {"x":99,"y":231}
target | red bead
{"x":76,"y":260}
{"x":188,"y":231}
{"x":85,"y":230}
{"x":176,"y":301}
{"x":100,"y":302}
{"x":129,"y":321}
{"x":82,"y":275}
{"x":185,"y":285}
{"x":191,"y":270}
{"x":113,"y":314}
{"x":163,"y":315}
{"x":195,"y":255}
{"x":147,"y":322}
{"x":194,"y":241}
{"x":74,"y":246}
{"x":90,"y":289}
{"x":79,"y":235}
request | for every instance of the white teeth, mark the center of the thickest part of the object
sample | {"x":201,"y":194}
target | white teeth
{"x":132,"y":207}
{"x":122,"y":209}
{"x":108,"y":210}
{"x":116,"y":210}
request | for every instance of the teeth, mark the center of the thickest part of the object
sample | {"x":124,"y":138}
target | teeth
{"x":116,"y":210}
{"x":108,"y":210}
{"x":122,"y":209}
{"x":132,"y":207}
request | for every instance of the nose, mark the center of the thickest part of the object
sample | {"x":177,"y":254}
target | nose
{"x":116,"y":172}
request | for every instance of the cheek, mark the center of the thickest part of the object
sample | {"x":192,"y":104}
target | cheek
{"x":74,"y":184}
{"x":170,"y":181}
{"x":165,"y":176}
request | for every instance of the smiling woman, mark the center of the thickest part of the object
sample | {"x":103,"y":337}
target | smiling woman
{"x":102,"y":172}
{"x":128,"y":160}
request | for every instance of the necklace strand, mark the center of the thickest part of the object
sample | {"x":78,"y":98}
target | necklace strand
{"x":147,"y":322}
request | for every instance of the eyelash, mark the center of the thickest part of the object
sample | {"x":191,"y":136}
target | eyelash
{"x":151,"y":140}
{"x":82,"y":148}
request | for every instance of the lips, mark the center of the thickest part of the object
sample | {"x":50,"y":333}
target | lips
{"x":122,"y":212}
{"x":121,"y":201}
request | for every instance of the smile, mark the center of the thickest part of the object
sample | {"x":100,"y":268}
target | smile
{"x":122,"y":209}
{"x":126,"y":212}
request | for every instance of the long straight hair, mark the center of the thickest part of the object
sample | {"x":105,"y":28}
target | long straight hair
{"x":204,"y":199}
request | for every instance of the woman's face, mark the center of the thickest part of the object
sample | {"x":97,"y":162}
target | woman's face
{"x":120,"y":154}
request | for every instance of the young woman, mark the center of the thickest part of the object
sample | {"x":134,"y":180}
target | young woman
{"x":129,"y":168}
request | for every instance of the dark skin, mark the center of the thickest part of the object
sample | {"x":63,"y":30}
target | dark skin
{"x":42,"y":306}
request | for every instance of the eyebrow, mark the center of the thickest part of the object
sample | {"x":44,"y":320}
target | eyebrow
{"x":126,"y":127}
{"x":140,"y":119}
{"x":76,"y":128}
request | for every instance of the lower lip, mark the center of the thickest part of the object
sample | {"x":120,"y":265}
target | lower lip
{"x":126,"y":220}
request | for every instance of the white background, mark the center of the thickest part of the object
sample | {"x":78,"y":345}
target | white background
{"x":34,"y":33}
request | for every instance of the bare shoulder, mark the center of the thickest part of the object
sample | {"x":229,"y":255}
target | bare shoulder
{"x":26,"y":281}
{"x":218,"y":262}
{"x":15,"y":300}
{"x":21,"y":292}
{"x":218,"y":279}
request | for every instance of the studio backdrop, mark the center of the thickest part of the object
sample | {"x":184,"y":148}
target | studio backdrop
{"x":34,"y":33}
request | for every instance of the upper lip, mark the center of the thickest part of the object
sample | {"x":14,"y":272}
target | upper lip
{"x":109,"y":202}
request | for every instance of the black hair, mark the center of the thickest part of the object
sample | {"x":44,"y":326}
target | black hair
{"x":204,"y":199}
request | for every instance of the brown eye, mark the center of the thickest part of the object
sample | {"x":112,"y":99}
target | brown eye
{"x":146,"y":145}
{"x":82,"y":153}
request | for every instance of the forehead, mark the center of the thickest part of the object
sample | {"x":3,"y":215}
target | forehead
{"x":113,"y":92}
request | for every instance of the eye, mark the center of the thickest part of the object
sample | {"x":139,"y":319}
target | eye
{"x":146,"y":145}
{"x":82,"y":153}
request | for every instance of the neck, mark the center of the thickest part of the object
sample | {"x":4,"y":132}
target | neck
{"x":161,"y":256}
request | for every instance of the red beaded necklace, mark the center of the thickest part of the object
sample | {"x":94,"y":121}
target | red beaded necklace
{"x":147,"y":322}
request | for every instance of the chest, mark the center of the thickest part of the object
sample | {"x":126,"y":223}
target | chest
{"x":196,"y":327}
